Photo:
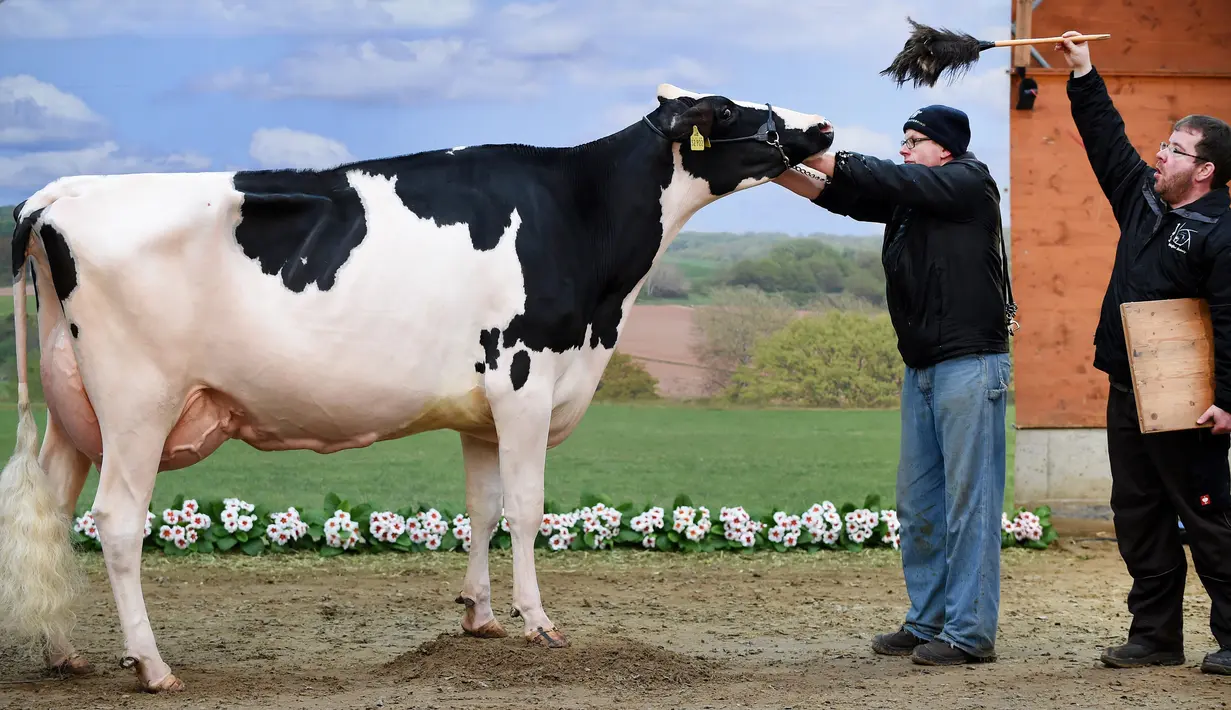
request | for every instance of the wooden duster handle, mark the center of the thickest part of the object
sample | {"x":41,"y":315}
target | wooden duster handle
{"x":1048,"y":40}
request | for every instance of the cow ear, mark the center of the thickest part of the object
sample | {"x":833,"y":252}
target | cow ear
{"x":680,"y":123}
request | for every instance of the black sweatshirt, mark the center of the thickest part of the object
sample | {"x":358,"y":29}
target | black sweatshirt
{"x":942,"y":250}
{"x":1162,"y":252}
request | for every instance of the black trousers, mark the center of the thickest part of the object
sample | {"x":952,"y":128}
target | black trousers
{"x":1154,"y":478}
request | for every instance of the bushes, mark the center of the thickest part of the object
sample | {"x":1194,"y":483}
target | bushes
{"x":729,"y":329}
{"x":625,"y":379}
{"x":837,"y":359}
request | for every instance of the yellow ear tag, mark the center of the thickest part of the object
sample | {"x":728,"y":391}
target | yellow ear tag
{"x":698,"y":141}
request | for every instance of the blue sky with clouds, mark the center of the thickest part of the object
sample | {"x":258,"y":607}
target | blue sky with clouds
{"x":100,"y":86}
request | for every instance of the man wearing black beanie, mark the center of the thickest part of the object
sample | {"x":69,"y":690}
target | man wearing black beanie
{"x":948,"y":296}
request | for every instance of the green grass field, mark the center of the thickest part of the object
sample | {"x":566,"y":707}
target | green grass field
{"x":643,"y":453}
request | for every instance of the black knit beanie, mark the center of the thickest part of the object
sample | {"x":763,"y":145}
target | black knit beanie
{"x":945,"y":125}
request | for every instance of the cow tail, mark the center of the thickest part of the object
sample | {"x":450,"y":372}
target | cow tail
{"x":39,"y":576}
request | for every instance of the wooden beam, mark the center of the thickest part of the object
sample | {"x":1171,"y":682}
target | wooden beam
{"x":1021,"y":23}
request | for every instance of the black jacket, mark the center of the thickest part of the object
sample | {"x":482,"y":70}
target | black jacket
{"x":1162,"y":252}
{"x":944,"y":268}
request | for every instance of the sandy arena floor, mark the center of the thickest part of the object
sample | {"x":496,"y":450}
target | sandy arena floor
{"x":647,"y":631}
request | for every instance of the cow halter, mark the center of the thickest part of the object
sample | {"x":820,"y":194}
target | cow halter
{"x":767,"y":133}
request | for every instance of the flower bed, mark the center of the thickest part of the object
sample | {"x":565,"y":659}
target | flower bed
{"x":338,"y":527}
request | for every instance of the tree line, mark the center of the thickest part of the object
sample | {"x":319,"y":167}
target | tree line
{"x":800,"y":269}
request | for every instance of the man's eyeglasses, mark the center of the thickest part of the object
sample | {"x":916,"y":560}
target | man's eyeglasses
{"x":912,"y":142}
{"x":1176,"y":151}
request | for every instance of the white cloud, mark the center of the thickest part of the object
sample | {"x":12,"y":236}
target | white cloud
{"x":288,"y":148}
{"x":148,"y":18}
{"x":32,"y":111}
{"x":32,"y":170}
{"x":407,"y":72}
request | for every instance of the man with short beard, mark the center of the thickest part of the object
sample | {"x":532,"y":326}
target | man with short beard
{"x":1175,"y":242}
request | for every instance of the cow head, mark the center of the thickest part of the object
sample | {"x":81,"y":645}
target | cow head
{"x":731,"y":144}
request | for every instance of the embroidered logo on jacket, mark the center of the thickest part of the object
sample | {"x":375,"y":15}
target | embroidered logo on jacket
{"x":1181,"y":238}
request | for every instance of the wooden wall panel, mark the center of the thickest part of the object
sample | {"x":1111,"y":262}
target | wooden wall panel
{"x":1189,"y":36}
{"x":1064,"y":235}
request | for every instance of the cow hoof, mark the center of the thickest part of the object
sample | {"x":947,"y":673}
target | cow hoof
{"x":490,"y":630}
{"x":169,"y":684}
{"x":75,"y":664}
{"x":547,"y":639}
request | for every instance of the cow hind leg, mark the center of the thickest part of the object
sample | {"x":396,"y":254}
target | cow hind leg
{"x":133,"y":437}
{"x":523,"y":421}
{"x":483,"y":494}
{"x":66,"y":469}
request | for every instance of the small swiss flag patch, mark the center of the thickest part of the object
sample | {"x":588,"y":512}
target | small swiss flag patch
{"x":1205,"y":499}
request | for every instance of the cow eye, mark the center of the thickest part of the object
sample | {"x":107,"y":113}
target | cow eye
{"x":726,"y":114}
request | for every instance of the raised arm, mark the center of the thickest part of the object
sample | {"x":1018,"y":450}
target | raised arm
{"x":1116,"y":163}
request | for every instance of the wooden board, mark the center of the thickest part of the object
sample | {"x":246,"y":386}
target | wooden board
{"x":1171,"y":355}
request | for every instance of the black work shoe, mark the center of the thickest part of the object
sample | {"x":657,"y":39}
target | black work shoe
{"x":1135,"y":655}
{"x":940,"y":653}
{"x":898,"y":643}
{"x":1218,"y":662}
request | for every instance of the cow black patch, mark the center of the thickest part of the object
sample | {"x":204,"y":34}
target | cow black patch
{"x":74,"y":329}
{"x":59,"y":258}
{"x":590,"y":227}
{"x":490,"y":340}
{"x":519,"y":370}
{"x":63,"y":267}
{"x":300,"y":225}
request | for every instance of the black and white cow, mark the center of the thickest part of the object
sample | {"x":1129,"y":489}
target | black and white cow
{"x":477,"y":289}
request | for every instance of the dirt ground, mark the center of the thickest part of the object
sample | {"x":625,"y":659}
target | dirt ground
{"x":647,"y":631}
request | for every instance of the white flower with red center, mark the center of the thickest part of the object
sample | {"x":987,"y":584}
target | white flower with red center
{"x":386,"y":526}
{"x":561,"y":540}
{"x":170,"y":516}
{"x":341,"y":531}
{"x":649,"y":541}
{"x":166,"y":532}
{"x":775,"y":533}
{"x":286,"y":527}
{"x":647,"y":522}
{"x":189,"y":507}
{"x":244,"y":522}
{"x":695,"y":533}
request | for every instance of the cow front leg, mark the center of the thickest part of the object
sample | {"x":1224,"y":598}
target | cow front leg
{"x":66,"y":469}
{"x":132,"y":447}
{"x":482,"y":462}
{"x":523,"y":419}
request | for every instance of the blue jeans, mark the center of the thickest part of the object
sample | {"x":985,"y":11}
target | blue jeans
{"x":950,"y":496}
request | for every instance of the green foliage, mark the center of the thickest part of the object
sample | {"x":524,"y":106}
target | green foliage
{"x":625,"y":379}
{"x":803,"y":268}
{"x":6,"y":224}
{"x":837,"y":359}
{"x":340,"y":527}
